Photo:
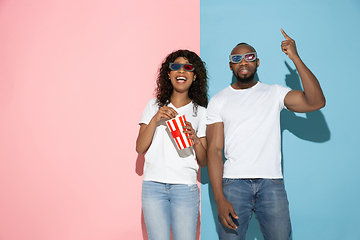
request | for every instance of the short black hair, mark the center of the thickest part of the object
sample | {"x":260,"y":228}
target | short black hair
{"x":244,"y":43}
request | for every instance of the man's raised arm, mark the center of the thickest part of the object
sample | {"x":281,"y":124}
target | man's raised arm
{"x":312,"y":98}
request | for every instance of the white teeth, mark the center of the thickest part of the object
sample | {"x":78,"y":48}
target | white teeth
{"x":181,"y":78}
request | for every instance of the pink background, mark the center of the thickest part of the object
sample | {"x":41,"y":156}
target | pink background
{"x":75,"y":76}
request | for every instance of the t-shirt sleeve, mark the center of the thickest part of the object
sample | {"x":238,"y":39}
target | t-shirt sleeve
{"x":149,"y":112}
{"x":282,"y":94}
{"x":213,"y":112}
{"x":201,"y":131}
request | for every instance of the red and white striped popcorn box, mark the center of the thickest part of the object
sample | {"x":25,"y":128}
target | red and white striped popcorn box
{"x":175,"y":126}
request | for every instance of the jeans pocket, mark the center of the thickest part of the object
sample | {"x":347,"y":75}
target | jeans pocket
{"x":193,"y":187}
{"x":277,"y":180}
{"x":227,"y":181}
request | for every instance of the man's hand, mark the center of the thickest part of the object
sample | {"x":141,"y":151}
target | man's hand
{"x":224,"y":210}
{"x":288,"y":46}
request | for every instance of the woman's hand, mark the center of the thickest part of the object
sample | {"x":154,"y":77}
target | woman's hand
{"x":188,"y":129}
{"x":146,"y":132}
{"x":200,"y":144}
{"x":165,"y":112}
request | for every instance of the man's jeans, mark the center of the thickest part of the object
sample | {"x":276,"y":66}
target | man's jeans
{"x":266,"y":198}
{"x":170,"y":206}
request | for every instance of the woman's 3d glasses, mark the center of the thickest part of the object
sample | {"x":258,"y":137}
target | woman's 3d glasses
{"x":249,"y":57}
{"x":188,"y":67}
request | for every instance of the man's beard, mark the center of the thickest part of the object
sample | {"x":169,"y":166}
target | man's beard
{"x":246,"y":79}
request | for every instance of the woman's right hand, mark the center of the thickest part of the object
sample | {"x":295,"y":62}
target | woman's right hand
{"x":146,"y":132}
{"x":165,"y":112}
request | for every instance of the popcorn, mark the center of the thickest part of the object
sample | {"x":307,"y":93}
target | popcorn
{"x":175,"y":126}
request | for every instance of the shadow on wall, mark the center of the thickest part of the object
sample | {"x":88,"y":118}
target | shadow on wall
{"x":313,"y":128}
{"x":139,"y":169}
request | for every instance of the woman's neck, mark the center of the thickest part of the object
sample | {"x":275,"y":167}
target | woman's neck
{"x":180,"y":99}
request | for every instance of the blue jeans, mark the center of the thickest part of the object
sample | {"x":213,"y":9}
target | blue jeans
{"x":266,"y":198}
{"x":170,"y":206}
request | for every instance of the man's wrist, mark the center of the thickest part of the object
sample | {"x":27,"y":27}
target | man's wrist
{"x":219,"y":197}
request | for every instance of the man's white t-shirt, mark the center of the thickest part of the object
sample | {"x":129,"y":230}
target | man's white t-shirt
{"x":163,"y":161}
{"x":251,"y":119}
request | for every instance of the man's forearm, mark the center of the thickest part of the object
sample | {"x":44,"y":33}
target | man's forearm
{"x":312,"y":89}
{"x":215,"y":169}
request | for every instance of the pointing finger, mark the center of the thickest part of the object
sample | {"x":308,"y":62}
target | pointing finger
{"x":285,"y":35}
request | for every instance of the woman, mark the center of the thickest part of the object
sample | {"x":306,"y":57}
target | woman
{"x":170,"y":195}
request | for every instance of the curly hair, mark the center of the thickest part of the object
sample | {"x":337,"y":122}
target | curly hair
{"x":198,"y":91}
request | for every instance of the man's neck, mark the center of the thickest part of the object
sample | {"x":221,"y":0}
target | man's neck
{"x":240,"y":85}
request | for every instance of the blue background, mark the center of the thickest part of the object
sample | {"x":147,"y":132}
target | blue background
{"x":320,"y":149}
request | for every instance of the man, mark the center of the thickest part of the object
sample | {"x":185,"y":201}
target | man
{"x":246,"y":118}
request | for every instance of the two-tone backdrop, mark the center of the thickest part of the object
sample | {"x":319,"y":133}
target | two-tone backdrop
{"x":76,"y":75}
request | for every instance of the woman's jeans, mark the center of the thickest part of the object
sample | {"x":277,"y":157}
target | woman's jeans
{"x":170,"y":206}
{"x":266,"y":198}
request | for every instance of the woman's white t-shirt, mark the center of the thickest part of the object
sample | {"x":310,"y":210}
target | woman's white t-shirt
{"x":164,"y":162}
